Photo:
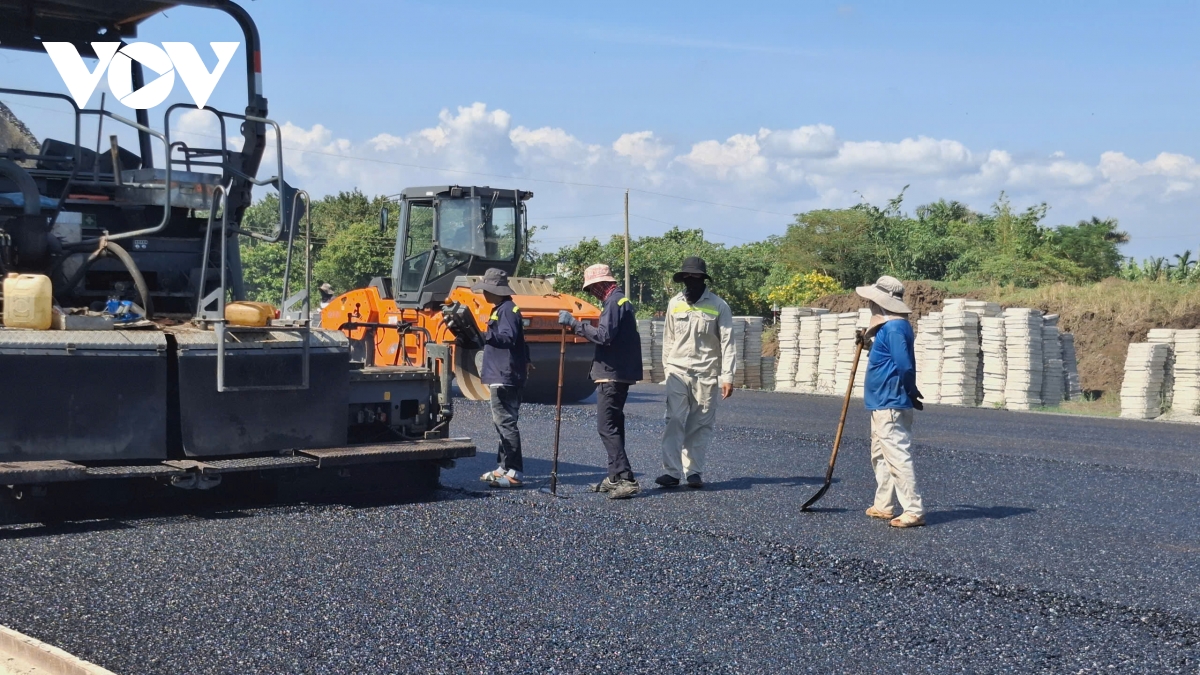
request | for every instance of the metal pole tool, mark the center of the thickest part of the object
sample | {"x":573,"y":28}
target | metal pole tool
{"x":562,"y":360}
{"x":837,"y":439}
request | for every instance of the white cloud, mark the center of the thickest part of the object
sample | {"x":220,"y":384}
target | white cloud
{"x":771,"y":173}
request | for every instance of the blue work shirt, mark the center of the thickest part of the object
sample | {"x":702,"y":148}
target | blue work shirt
{"x":505,"y":354}
{"x":891,"y":382}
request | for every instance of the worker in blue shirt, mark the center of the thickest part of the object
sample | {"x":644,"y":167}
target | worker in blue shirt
{"x":890,"y":394}
{"x":505,"y":367}
{"x":617,"y":364}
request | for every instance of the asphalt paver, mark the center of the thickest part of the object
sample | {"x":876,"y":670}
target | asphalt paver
{"x":1035,"y":559}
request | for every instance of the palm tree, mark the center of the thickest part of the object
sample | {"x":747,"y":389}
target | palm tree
{"x":1183,"y":266}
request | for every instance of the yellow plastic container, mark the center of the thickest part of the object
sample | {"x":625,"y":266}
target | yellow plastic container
{"x":245,"y":313}
{"x":28,"y":301}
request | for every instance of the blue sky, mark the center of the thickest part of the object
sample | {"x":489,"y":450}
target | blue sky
{"x":777,"y":107}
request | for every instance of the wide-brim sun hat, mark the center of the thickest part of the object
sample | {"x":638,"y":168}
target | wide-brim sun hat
{"x":493,"y":281}
{"x":691,"y":265}
{"x":888,"y":293}
{"x":597,"y":273}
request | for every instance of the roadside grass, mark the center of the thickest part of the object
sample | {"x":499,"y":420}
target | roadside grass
{"x":1105,"y":407}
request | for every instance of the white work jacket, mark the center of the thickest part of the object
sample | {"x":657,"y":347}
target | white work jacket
{"x":698,"y":339}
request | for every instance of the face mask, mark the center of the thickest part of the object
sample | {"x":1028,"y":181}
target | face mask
{"x":693,"y":289}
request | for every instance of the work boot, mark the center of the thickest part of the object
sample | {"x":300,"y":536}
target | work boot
{"x":881,"y":514}
{"x":625,"y":489}
{"x":908,"y":520}
{"x":667,"y":480}
{"x":606,"y":485}
{"x":694,"y":481}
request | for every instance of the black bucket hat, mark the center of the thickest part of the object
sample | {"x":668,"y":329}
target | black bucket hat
{"x":494,"y":281}
{"x":691,"y":265}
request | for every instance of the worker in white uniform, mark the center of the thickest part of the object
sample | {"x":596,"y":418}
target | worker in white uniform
{"x":698,"y":359}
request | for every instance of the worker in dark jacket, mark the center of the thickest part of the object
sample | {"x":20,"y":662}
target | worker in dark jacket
{"x":505,"y":367}
{"x":617,"y":364}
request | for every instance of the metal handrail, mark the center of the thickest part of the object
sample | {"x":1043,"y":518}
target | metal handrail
{"x":205,"y":315}
{"x":286,"y":303}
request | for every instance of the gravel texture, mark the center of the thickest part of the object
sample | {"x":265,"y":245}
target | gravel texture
{"x":1034,"y":561}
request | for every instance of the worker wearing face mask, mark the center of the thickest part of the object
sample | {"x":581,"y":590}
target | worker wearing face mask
{"x":698,"y":357}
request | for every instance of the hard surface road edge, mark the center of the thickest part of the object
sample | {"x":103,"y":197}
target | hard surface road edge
{"x":23,"y":655}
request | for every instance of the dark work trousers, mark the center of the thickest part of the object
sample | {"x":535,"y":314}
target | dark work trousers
{"x":610,"y":418}
{"x":506,"y":408}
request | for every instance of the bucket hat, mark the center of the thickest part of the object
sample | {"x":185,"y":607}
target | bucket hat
{"x":888,"y":293}
{"x":493,"y":281}
{"x":597,"y":273}
{"x":691,"y":265}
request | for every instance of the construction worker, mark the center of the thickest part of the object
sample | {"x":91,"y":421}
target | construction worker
{"x":891,"y":394}
{"x":505,"y":367}
{"x":616,"y":365}
{"x":698,"y":357}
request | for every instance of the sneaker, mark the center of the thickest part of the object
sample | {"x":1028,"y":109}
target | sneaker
{"x":881,"y":514}
{"x":667,"y":480}
{"x":694,"y":481}
{"x":908,"y":520}
{"x":606,"y":485}
{"x":625,"y":489}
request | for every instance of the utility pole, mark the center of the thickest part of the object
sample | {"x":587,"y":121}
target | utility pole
{"x":627,"y":289}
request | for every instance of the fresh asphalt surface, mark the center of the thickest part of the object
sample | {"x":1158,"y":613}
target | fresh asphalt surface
{"x":1055,"y":544}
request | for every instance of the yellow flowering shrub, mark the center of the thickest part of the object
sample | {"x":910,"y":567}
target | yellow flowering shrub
{"x":802,"y":289}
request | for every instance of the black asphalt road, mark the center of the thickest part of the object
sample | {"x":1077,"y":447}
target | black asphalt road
{"x":1055,"y":544}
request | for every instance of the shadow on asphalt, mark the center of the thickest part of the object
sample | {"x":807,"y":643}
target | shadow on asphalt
{"x":967,"y":512}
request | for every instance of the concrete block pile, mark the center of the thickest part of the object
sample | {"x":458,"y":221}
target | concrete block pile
{"x":927,"y":350}
{"x":649,"y":349}
{"x":751,"y":357}
{"x":1166,"y":336}
{"x":1053,"y":373}
{"x":960,"y":357}
{"x":656,"y":366}
{"x":1023,"y":358}
{"x":860,"y":375}
{"x":789,"y":347}
{"x":995,"y":360}
{"x":847,"y":323}
{"x":1145,"y":373}
{"x":739,"y":345}
{"x":1185,"y":398}
{"x":768,"y":373}
{"x":808,"y":356}
{"x":827,"y":359}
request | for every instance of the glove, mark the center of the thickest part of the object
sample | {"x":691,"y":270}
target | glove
{"x":917,"y":405}
{"x":566,"y":319}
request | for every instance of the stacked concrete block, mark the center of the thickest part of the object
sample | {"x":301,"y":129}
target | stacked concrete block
{"x":960,"y":357}
{"x":1166,"y":336}
{"x":927,"y":350}
{"x":768,"y":373}
{"x":1072,"y":389}
{"x":739,"y":346}
{"x":656,"y":365}
{"x":789,"y":346}
{"x":646,"y":334}
{"x":995,"y":362}
{"x":752,"y":351}
{"x":1145,"y":372}
{"x":1186,"y":396}
{"x":808,"y":355}
{"x":847,"y":323}
{"x":828,"y":356}
{"x":1053,"y":373}
{"x":1023,"y":358}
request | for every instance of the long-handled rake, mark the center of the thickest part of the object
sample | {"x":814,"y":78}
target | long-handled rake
{"x":837,"y":440}
{"x":562,"y":359}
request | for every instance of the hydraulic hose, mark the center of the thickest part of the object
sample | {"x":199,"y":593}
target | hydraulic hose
{"x":112,"y":248}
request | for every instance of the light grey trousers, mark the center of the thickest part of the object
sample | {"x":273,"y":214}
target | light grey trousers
{"x":691,"y":413}
{"x":891,"y":457}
